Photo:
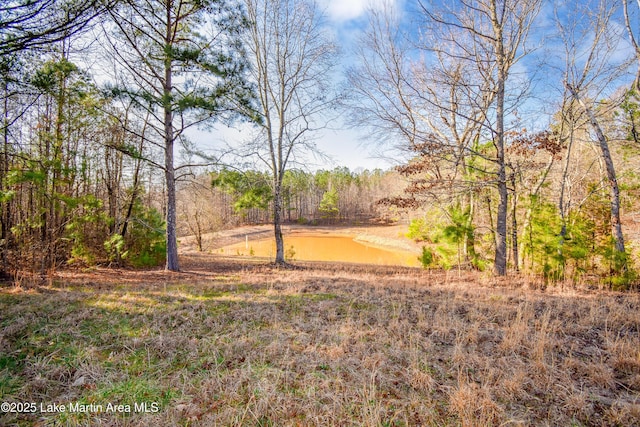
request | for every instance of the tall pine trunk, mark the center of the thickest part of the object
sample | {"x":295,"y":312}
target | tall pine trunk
{"x":172,"y":244}
{"x":6,"y":206}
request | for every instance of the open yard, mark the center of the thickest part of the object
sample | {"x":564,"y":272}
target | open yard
{"x":237,"y":342}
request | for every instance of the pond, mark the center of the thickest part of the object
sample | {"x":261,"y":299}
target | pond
{"x":323,"y":247}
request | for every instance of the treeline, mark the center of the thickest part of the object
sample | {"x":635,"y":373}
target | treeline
{"x":227,"y":198}
{"x":87,"y":170}
{"x":69,"y":193}
{"x":559,"y":224}
{"x":460,"y":96}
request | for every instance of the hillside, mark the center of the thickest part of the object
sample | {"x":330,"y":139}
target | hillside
{"x":241,"y":343}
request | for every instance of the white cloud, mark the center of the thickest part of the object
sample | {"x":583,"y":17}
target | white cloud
{"x":346,"y":10}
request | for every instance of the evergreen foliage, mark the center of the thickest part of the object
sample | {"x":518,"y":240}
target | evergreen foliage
{"x":427,"y":258}
{"x":145,"y":245}
{"x":250,"y":189}
{"x":451,"y":239}
{"x":418,"y":230}
{"x":329,"y":204}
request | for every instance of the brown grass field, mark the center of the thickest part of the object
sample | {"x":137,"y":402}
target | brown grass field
{"x":237,"y":342}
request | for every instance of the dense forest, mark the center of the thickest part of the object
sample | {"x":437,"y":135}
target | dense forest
{"x":506,"y":171}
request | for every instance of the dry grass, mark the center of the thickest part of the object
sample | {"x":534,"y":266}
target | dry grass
{"x":246,"y":344}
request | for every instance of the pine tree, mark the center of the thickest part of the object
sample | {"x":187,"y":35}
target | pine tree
{"x":183,"y":64}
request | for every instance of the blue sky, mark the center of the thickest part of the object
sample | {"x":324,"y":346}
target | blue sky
{"x":346,"y":146}
{"x":341,"y":144}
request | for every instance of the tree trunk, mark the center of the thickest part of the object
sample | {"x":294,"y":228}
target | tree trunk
{"x":172,"y":244}
{"x":198,"y":230}
{"x":132,"y":201}
{"x":616,"y":224}
{"x":277,"y":220}
{"x":468,"y":243}
{"x":514,"y":225}
{"x":500,"y":265}
{"x":5,"y":207}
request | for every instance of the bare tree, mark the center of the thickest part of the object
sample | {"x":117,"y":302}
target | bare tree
{"x":633,"y":30}
{"x":589,"y":73}
{"x":198,"y":209}
{"x":472,"y":48}
{"x":292,"y":60}
{"x":496,"y":32}
{"x":632,"y":107}
{"x":428,"y":102}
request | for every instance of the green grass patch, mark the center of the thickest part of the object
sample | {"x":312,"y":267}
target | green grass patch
{"x":314,"y":297}
{"x":10,"y":383}
{"x":248,"y":289}
{"x":133,"y":390}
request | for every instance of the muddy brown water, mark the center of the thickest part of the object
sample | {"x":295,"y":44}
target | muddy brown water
{"x":323,"y":247}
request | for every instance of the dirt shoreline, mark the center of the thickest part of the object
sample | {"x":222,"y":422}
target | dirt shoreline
{"x":392,"y":236}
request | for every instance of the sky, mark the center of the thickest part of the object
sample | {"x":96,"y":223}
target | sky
{"x":340,"y":144}
{"x":347,"y":146}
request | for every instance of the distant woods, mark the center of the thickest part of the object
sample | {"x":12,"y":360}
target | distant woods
{"x":523,"y":150}
{"x":324,"y":197}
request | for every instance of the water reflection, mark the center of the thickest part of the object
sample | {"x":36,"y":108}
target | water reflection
{"x":312,"y":247}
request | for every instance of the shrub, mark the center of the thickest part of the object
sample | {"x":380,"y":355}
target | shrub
{"x":86,"y":230}
{"x":145,"y":244}
{"x":114,"y":246}
{"x":290,"y":253}
{"x":427,"y":259}
{"x":418,"y":230}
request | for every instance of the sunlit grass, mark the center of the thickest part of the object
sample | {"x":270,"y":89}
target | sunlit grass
{"x":321,"y":347}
